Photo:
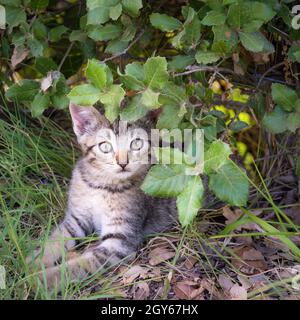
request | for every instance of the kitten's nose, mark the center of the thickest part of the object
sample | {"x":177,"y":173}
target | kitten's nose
{"x":123,"y":166}
{"x":122,"y":158}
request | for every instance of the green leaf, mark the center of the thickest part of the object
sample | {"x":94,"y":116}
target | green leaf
{"x":165,"y":181}
{"x":134,"y":109}
{"x":43,"y":65}
{"x":169,"y":118}
{"x":132,"y":6}
{"x":238,"y":14}
{"x":168,"y":155}
{"x":84,"y":95}
{"x":36,"y":47}
{"x":180,"y":62}
{"x":244,"y":13}
{"x":131,"y":82}
{"x":38,"y":4}
{"x":156,"y":74}
{"x":192,"y":30}
{"x":99,"y":10}
{"x":216,"y":156}
{"x":136,"y":70}
{"x":294,"y":53}
{"x":293,"y":121}
{"x":56,"y":33}
{"x":262,"y":11}
{"x":190,"y":200}
{"x":25,"y":91}
{"x":115,"y":11}
{"x":275,"y":121}
{"x":164,"y":22}
{"x":133,"y":77}
{"x":39,"y":30}
{"x":256,"y":42}
{"x":39,"y":104}
{"x":96,"y":72}
{"x":206,"y":57}
{"x":107,"y":32}
{"x":284,"y":96}
{"x":116,"y":46}
{"x":77,"y":35}
{"x":253,"y":26}
{"x":230,"y":184}
{"x":173,"y":94}
{"x":2,"y":17}
{"x":239,"y":126}
{"x":214,"y":18}
{"x":225,"y":34}
{"x":112,"y":100}
{"x":150,"y":99}
{"x":14,"y":16}
{"x":59,"y":85}
{"x":59,"y":101}
{"x":129,"y":33}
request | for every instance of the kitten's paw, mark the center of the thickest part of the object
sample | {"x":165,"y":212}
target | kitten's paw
{"x":52,"y":276}
{"x":40,"y":259}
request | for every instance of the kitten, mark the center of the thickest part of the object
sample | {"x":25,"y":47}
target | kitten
{"x":105,"y":197}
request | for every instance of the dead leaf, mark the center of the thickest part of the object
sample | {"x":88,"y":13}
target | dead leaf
{"x":250,"y":261}
{"x":142,"y":291}
{"x":135,"y":272}
{"x":294,"y":213}
{"x":245,"y":282}
{"x":190,"y":262}
{"x":187,"y":290}
{"x":19,"y":54}
{"x":261,"y":58}
{"x":230,"y":215}
{"x":237,"y":67}
{"x":47,"y":81}
{"x":160,"y":254}
{"x":238,"y":293}
{"x":233,"y":216}
{"x":225,"y":282}
{"x":252,"y":254}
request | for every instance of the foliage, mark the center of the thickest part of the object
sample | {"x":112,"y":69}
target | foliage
{"x":133,"y":56}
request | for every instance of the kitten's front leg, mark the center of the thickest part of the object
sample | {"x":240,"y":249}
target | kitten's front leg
{"x":61,"y":239}
{"x":115,"y":246}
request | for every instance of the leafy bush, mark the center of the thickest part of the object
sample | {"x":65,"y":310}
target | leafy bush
{"x":132,"y":56}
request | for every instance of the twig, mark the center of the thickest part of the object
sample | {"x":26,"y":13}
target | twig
{"x":204,"y":68}
{"x":268,"y":71}
{"x":127,"y":49}
{"x":65,"y":55}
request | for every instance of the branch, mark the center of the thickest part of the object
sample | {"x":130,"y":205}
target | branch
{"x":204,"y":68}
{"x":268,"y":71}
{"x":127,"y":49}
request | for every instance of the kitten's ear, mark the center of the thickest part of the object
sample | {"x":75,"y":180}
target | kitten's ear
{"x":86,"y":119}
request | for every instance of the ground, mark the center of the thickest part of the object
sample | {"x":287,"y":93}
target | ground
{"x":227,"y":253}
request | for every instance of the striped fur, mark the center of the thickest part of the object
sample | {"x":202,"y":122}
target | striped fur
{"x":105,"y":201}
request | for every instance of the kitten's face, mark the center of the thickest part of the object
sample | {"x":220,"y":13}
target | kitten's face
{"x":118,"y":152}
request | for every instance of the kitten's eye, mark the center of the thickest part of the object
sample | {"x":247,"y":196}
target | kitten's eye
{"x":105,"y":147}
{"x":136,"y":144}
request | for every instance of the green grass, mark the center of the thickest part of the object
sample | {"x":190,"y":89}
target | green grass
{"x":36,"y":161}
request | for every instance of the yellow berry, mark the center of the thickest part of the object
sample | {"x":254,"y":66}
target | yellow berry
{"x":249,"y":159}
{"x":216,"y":87}
{"x":222,"y":109}
{"x":241,"y":148}
{"x":245,"y":117}
{"x":231,"y":113}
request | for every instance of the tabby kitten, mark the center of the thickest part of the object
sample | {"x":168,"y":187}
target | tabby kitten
{"x":105,"y":197}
